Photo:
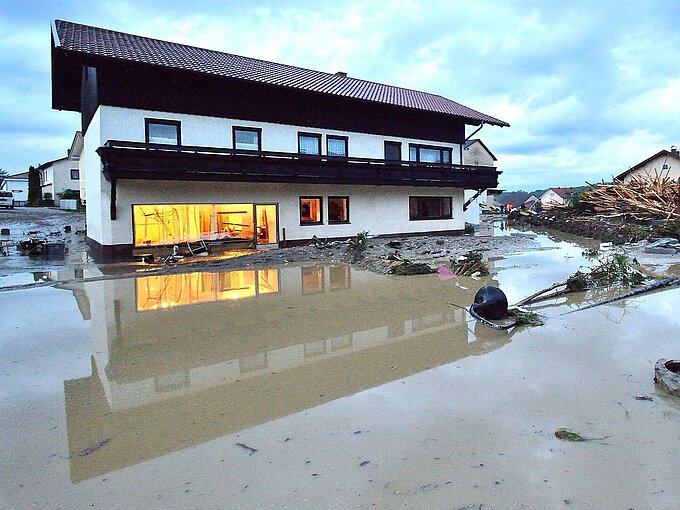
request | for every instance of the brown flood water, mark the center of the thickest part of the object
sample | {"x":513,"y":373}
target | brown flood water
{"x":326,"y":387}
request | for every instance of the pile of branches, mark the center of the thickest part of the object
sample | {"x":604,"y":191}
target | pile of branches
{"x":642,"y":198}
{"x":472,"y":263}
{"x":612,"y":270}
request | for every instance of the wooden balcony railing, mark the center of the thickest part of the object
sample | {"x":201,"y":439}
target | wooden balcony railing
{"x":135,"y":160}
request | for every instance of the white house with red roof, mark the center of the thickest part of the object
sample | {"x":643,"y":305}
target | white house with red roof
{"x":556,"y":196}
{"x":182,"y":144}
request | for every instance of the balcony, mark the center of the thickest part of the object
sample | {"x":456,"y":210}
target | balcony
{"x":134,"y":160}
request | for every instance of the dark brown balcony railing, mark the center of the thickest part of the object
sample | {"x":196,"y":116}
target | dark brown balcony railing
{"x":134,"y":160}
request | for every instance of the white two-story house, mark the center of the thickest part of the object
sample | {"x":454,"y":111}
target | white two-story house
{"x":183,"y":143}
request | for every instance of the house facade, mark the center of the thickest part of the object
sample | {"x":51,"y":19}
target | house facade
{"x":18,"y":185}
{"x":182,"y":144}
{"x":475,"y":153}
{"x":61,"y":174}
{"x":665,"y":163}
{"x":556,"y":196}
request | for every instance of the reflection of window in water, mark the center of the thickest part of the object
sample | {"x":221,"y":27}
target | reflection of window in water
{"x":253,"y":362}
{"x":430,"y":321}
{"x":341,"y":342}
{"x":170,"y":382}
{"x":395,"y":330}
{"x":312,"y":279}
{"x":339,"y":277}
{"x":315,"y":348}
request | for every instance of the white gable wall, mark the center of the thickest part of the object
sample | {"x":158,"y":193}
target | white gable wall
{"x":655,"y":168}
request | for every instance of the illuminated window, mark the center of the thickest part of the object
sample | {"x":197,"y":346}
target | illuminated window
{"x":338,"y":209}
{"x":309,"y":143}
{"x":336,"y":146}
{"x":310,"y":211}
{"x":430,"y":208}
{"x":163,"y":131}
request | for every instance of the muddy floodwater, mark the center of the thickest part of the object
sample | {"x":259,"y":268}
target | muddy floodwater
{"x":322,"y":386}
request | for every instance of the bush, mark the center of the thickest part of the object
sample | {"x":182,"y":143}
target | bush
{"x":69,"y":194}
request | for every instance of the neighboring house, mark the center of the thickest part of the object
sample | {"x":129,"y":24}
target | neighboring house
{"x":182,"y":144}
{"x":556,"y":196}
{"x":17,"y":184}
{"x":662,"y":164}
{"x":61,"y":174}
{"x":522,"y":200}
{"x":475,"y":153}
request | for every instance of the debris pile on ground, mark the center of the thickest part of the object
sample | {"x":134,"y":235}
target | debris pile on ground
{"x":663,"y":246}
{"x":642,"y":198}
{"x":395,"y":264}
{"x":470,"y":264}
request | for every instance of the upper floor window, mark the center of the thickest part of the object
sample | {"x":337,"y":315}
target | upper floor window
{"x":336,"y":146}
{"x":393,"y":151}
{"x":309,"y":143}
{"x":75,"y":174}
{"x":428,"y":154}
{"x":163,"y":131}
{"x":249,"y":139}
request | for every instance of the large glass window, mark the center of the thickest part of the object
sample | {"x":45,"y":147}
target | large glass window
{"x":169,"y":224}
{"x":336,"y":146}
{"x":430,"y":208}
{"x":310,"y":211}
{"x":163,"y":131}
{"x":309,"y":143}
{"x":425,"y":154}
{"x":393,"y":151}
{"x":338,"y":209}
{"x":249,"y":139}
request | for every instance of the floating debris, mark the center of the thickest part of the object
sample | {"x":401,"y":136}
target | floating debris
{"x":569,"y":435}
{"x":524,"y":317}
{"x":246,"y":447}
{"x":93,"y":448}
{"x":667,"y":376}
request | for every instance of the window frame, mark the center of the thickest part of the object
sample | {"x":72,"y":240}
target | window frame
{"x":246,"y":129}
{"x":429,"y":218}
{"x":310,"y":222}
{"x":442,"y":151}
{"x":309,"y":135}
{"x":77,"y":174}
{"x":341,"y":197}
{"x":166,"y":122}
{"x":339,"y":138}
{"x":396,"y":145}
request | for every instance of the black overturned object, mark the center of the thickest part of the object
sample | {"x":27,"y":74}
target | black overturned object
{"x":490,"y":303}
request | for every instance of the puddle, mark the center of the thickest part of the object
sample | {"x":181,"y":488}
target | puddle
{"x":326,"y":387}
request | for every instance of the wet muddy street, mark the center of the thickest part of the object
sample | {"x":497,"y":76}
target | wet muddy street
{"x":322,"y":386}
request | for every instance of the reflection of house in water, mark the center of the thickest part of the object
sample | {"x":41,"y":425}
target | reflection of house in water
{"x":182,"y":359}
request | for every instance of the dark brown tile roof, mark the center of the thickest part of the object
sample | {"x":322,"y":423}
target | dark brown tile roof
{"x":100,"y":42}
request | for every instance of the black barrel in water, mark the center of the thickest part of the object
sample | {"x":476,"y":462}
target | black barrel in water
{"x":490,"y":303}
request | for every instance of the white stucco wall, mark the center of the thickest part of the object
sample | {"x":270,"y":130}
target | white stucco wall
{"x":57,"y":178}
{"x":378,"y":209}
{"x":128,"y":124}
{"x":476,"y":154}
{"x":18,"y":186}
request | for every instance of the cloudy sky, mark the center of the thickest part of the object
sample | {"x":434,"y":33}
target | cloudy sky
{"x":589,"y":88}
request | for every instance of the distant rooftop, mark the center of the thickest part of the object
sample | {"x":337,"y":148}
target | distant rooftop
{"x":100,"y":42}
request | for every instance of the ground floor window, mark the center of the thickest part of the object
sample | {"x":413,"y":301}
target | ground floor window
{"x":430,"y":208}
{"x":167,"y":224}
{"x":310,"y":211}
{"x":338,"y":209}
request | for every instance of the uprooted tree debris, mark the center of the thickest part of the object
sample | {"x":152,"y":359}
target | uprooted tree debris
{"x":641,"y":198}
{"x":612,"y":270}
